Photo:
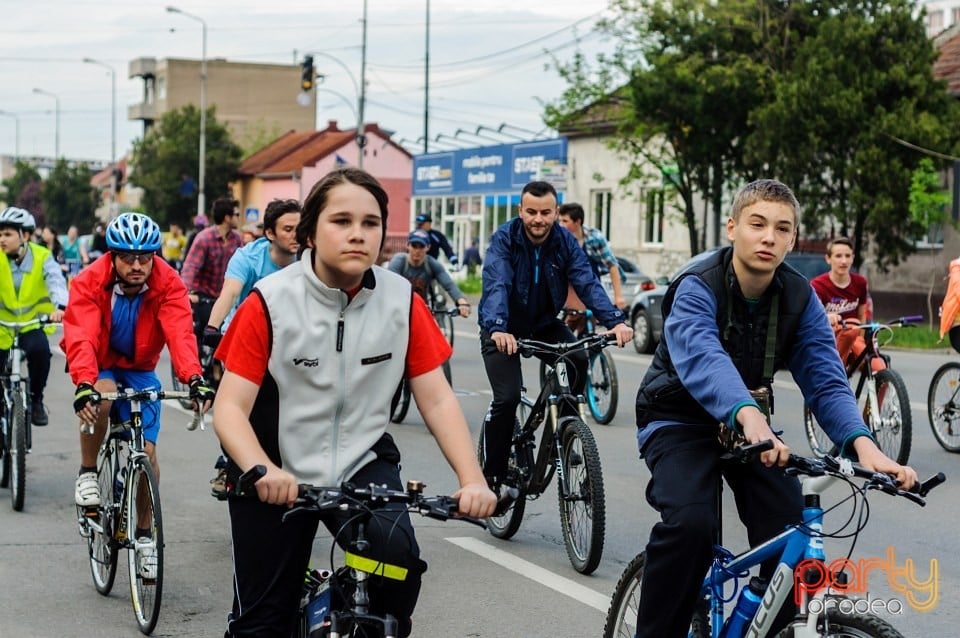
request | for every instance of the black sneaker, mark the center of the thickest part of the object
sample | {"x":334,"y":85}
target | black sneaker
{"x":38,"y":414}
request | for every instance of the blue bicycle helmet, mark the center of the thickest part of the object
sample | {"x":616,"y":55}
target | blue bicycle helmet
{"x":133,"y":232}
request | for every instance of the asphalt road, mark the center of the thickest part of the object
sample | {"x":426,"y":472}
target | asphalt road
{"x":476,"y":584}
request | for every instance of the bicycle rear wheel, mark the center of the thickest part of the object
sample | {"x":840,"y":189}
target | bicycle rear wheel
{"x":602,"y":387}
{"x":625,"y":606}
{"x":820,"y":443}
{"x":4,"y":445}
{"x":401,"y":402}
{"x":894,"y":427}
{"x":943,"y":406}
{"x":508,"y":524}
{"x":840,"y":625}
{"x":580,"y":493}
{"x":18,"y":451}
{"x":145,"y":558}
{"x":101,"y":545}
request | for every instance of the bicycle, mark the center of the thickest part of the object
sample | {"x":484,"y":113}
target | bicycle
{"x":802,"y":561}
{"x":943,"y":403}
{"x":882,"y":397}
{"x":567,"y":447}
{"x":129,"y":494}
{"x":401,"y":400}
{"x":15,"y":418}
{"x":336,"y":602}
{"x":603,"y":389}
{"x":212,"y":371}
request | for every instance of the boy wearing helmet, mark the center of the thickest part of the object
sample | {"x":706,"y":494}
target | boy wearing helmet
{"x":124,"y":308}
{"x":31,"y":284}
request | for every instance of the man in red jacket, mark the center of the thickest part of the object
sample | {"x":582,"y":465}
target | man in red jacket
{"x":126,"y":306}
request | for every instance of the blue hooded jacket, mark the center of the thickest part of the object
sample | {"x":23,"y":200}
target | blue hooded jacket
{"x":508,"y":271}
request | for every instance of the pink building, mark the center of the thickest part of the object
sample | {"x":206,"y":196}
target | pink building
{"x":292,"y":164}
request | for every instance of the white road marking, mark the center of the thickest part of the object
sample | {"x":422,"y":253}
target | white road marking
{"x":535,"y":573}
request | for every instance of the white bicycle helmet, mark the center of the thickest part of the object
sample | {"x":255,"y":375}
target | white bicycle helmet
{"x":133,"y":232}
{"x":17,"y":217}
{"x":30,"y":224}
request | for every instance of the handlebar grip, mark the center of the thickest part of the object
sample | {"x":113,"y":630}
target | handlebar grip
{"x":745,"y":453}
{"x":924,"y":488}
{"x":249,"y":478}
{"x":911,"y":318}
{"x":197,"y":420}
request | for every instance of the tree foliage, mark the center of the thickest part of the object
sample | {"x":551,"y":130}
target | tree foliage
{"x":816,"y":94}
{"x":15,"y":185}
{"x":68,"y":198}
{"x":168,"y":154}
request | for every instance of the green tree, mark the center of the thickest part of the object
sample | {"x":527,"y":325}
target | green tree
{"x":23,"y":174}
{"x":818,"y":94}
{"x":168,"y":154}
{"x":68,"y":197}
{"x":860,"y":86}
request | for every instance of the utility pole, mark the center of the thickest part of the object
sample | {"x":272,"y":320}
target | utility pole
{"x":426,"y":86}
{"x":361,"y":134}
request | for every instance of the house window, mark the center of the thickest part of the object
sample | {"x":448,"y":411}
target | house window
{"x":599,"y":215}
{"x":653,"y":218}
{"x":161,"y":88}
{"x":935,"y":22}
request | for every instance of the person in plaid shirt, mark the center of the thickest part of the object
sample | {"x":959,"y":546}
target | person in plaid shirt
{"x":596,"y":247}
{"x":206,"y":263}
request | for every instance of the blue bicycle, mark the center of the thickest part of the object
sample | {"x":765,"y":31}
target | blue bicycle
{"x":800,"y":546}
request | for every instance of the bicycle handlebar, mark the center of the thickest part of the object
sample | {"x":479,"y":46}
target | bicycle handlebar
{"x":531,"y":347}
{"x":128,"y":394}
{"x":354,"y":498}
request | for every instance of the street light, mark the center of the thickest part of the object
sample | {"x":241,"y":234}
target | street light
{"x":56,"y":139}
{"x":358,"y":110}
{"x":16,"y":119}
{"x":113,"y":106}
{"x":201,"y":197}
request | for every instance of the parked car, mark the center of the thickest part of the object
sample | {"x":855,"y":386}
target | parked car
{"x":634,"y":281}
{"x":645,"y":312}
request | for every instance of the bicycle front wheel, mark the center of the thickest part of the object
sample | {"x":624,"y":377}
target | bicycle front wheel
{"x":506,"y":525}
{"x":840,"y":625}
{"x":943,"y":406}
{"x":18,"y":452}
{"x":101,"y":546}
{"x":4,"y":445}
{"x":820,"y":443}
{"x":625,"y":606}
{"x":145,"y":554}
{"x":894,"y":427}
{"x":602,"y":387}
{"x":445,"y":322}
{"x":580,"y":493}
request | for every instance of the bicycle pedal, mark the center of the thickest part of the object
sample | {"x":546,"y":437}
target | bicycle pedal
{"x":91,"y":512}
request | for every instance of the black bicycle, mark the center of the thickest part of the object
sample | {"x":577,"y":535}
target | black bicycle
{"x":336,"y":602}
{"x":16,"y":432}
{"x":567,"y":447}
{"x":401,"y":400}
{"x":129,"y":499}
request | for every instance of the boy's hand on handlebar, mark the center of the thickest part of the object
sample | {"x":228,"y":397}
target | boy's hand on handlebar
{"x":464,"y":307}
{"x":505,"y":342}
{"x":756,"y":429}
{"x":872,"y":458}
{"x":476,"y":500}
{"x":624,"y":334}
{"x":277,"y":487}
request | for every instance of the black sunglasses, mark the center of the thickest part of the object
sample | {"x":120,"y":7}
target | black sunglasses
{"x":129,"y":258}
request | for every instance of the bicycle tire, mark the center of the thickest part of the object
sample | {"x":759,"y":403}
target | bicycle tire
{"x":820,"y":443}
{"x":583,"y":513}
{"x":942,"y":408}
{"x":145,"y":594}
{"x":402,"y":403}
{"x":445,"y":322}
{"x":18,"y":452}
{"x":505,"y":526}
{"x":175,"y":384}
{"x":895,"y":432}
{"x":447,"y":372}
{"x":4,"y":447}
{"x":102,"y":548}
{"x":621,"y":621}
{"x":839,"y":625}
{"x":602,"y":393}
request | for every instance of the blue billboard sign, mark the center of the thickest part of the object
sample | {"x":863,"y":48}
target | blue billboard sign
{"x":500,"y":168}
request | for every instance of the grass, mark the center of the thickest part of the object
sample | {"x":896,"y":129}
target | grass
{"x":470,"y":285}
{"x":917,"y":337}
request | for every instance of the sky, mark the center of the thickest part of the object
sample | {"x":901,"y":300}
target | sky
{"x":490,"y":62}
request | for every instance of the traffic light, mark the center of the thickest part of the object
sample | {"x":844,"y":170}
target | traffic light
{"x":307,"y":74}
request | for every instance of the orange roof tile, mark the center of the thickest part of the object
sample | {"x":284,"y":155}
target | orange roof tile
{"x":947,"y":66}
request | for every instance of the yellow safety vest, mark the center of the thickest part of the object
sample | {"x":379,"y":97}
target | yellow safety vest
{"x":32,"y":300}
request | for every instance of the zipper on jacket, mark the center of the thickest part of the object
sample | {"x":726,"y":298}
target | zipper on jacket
{"x":340,"y":332}
{"x":536,"y":265}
